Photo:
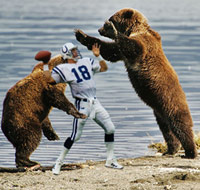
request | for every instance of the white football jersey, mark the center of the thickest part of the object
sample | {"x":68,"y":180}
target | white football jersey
{"x":80,"y":77}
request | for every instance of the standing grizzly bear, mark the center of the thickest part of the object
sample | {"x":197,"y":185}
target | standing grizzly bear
{"x":150,"y":73}
{"x":48,"y":63}
{"x":25,"y":114}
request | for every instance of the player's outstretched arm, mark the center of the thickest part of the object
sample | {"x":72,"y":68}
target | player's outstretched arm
{"x":96,"y":52}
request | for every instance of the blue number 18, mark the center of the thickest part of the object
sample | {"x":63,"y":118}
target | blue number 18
{"x":84,"y":72}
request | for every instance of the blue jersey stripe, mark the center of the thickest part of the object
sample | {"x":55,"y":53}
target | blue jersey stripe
{"x":58,"y":71}
{"x":91,"y":61}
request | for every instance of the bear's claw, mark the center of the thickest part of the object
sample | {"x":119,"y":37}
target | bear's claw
{"x":80,"y":35}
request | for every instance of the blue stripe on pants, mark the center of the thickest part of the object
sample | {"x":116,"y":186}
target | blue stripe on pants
{"x":75,"y":122}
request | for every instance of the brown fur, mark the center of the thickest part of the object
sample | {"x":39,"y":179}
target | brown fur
{"x":150,"y":73}
{"x":56,"y":60}
{"x":25,"y":113}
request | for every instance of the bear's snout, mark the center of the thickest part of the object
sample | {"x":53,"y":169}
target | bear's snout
{"x":104,"y":28}
{"x":101,"y":31}
{"x":107,"y":30}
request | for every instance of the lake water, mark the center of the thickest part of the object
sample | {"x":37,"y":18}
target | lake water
{"x":27,"y":27}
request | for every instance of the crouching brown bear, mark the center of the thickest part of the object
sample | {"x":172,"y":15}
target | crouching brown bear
{"x":150,"y":73}
{"x":25,"y":114}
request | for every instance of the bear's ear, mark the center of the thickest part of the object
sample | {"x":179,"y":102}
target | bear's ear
{"x":128,"y":14}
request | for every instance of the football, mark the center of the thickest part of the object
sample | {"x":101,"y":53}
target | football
{"x":44,"y":56}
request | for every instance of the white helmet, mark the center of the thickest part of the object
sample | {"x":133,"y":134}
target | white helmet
{"x":66,"y":51}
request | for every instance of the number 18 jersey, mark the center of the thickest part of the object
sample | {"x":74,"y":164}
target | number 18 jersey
{"x":79,"y":76}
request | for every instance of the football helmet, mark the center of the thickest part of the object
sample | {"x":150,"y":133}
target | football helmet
{"x":66,"y":52}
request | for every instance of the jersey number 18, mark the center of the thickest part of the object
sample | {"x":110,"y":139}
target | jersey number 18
{"x":84,"y":73}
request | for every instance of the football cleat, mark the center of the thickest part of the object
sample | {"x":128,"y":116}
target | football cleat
{"x":113,"y":164}
{"x":57,"y":167}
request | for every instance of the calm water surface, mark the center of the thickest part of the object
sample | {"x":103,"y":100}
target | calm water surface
{"x":27,"y":27}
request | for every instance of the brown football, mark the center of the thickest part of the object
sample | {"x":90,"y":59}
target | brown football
{"x":44,"y":56}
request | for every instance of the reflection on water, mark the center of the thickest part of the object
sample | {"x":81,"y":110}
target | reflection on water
{"x":27,"y":27}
